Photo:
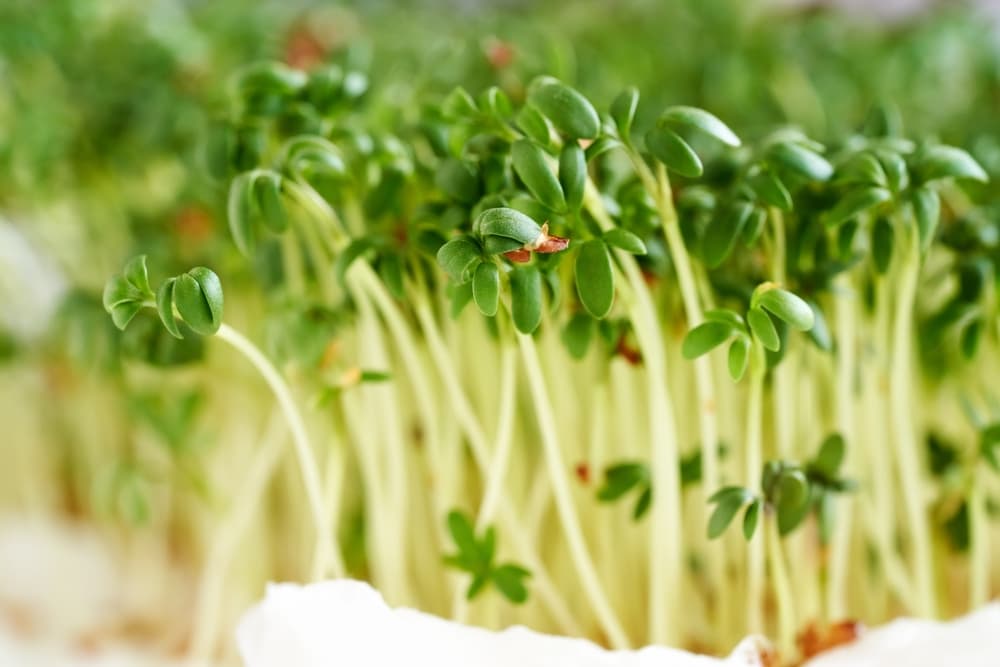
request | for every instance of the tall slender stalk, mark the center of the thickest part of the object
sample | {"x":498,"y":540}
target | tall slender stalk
{"x":979,"y":547}
{"x":845,"y":305}
{"x":564,"y":499}
{"x":754,"y":460}
{"x":666,"y":541}
{"x":901,"y":392}
{"x":326,"y":556}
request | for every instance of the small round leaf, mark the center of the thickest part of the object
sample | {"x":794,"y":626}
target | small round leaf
{"x":667,"y":147}
{"x":486,"y":288}
{"x":569,"y":111}
{"x":595,"y":282}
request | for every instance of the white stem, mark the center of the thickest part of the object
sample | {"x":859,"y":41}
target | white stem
{"x":782,"y":588}
{"x":979,"y":548}
{"x":845,"y":304}
{"x":499,"y":465}
{"x":564,"y":499}
{"x":326,"y":557}
{"x":227,"y":540}
{"x":901,"y":407}
{"x":754,"y":462}
{"x":666,"y":553}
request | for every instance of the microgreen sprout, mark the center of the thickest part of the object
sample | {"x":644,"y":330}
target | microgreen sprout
{"x":476,"y":556}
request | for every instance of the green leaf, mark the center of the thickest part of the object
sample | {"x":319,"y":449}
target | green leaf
{"x":701,"y":120}
{"x":123,"y":313}
{"x":819,"y":334}
{"x":624,"y":240}
{"x":621,"y":478}
{"x":496,"y":103}
{"x":770,"y":190}
{"x":532,"y":168}
{"x":526,"y":298}
{"x":199,"y":300}
{"x":118,"y":291}
{"x":970,"y":337}
{"x":830,"y":456}
{"x":595,"y":280}
{"x":926,"y":211}
{"x":940,"y":162}
{"x":882,"y":242}
{"x":390,"y":269}
{"x":498,"y":245}
{"x":460,"y":295}
{"x":739,"y":357}
{"x":728,"y":504}
{"x":800,"y":160}
{"x":573,"y":174}
{"x":507,"y":223}
{"x":788,"y":308}
{"x":750,"y":519}
{"x":509,"y":580}
{"x":137,"y":275}
{"x":577,"y":333}
{"x":458,"y":257}
{"x":486,"y":288}
{"x":863,"y":169}
{"x":755,"y":225}
{"x":569,"y":111}
{"x":534,"y":126}
{"x":459,"y":180}
{"x":723,"y":230}
{"x":792,"y":500}
{"x":165,"y":307}
{"x":354,"y":249}
{"x":896,"y":174}
{"x":855,"y":202}
{"x":674,"y":152}
{"x":462,"y":532}
{"x":477,"y":585}
{"x":623,"y":112}
{"x":267,"y":195}
{"x":239,"y":210}
{"x":705,"y":337}
{"x":763,"y":329}
{"x":600,"y":146}
{"x":643,"y":504}
{"x":459,"y":105}
{"x":989,"y":443}
{"x":726,"y":317}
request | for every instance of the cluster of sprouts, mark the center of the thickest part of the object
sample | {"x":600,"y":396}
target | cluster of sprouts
{"x":491,"y":324}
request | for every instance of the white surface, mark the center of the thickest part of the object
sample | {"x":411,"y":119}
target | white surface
{"x":347,"y":623}
{"x":971,"y":641}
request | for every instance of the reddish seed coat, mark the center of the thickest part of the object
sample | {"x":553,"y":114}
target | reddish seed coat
{"x":814,"y":640}
{"x":500,"y":54}
{"x":520,"y":255}
{"x":552,"y":244}
{"x":583,"y":472}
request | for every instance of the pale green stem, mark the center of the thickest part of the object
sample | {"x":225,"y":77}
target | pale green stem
{"x":903,"y":416}
{"x":753,"y":463}
{"x":500,"y":463}
{"x":845,"y":304}
{"x":666,"y":540}
{"x":205,"y":631}
{"x":564,"y":499}
{"x":326,"y":557}
{"x":782,"y":588}
{"x":473,"y":430}
{"x":979,"y":548}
